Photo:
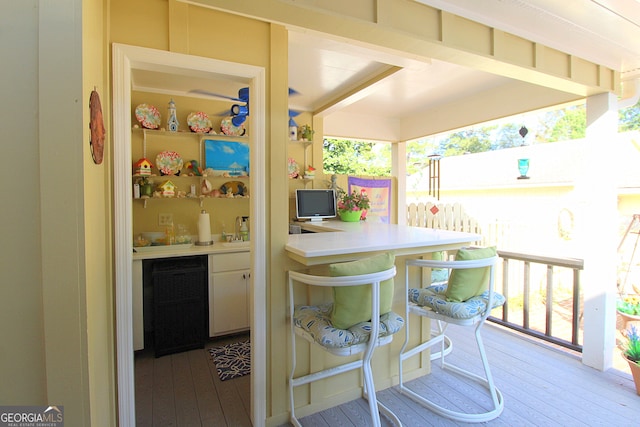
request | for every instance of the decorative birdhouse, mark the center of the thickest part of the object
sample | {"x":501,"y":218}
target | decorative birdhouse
{"x":310,"y":172}
{"x":143,"y":167}
{"x":167,"y":189}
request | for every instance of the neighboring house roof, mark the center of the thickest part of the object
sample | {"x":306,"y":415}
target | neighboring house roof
{"x":553,"y":164}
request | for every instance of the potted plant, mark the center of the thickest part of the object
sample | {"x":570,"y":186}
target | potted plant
{"x":146,"y":189}
{"x":631,"y":352}
{"x":306,"y":133}
{"x":352,"y":207}
{"x":629,"y":307}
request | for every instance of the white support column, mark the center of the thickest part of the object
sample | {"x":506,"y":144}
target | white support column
{"x":399,"y":169}
{"x":597,"y":197}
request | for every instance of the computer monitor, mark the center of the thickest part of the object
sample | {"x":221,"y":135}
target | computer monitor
{"x":316,"y":204}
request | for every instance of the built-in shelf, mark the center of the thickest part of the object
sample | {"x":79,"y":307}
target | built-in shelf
{"x":305,"y":145}
{"x":199,"y":200}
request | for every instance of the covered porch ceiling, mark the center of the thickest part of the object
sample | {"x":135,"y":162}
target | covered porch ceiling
{"x":365,"y":92}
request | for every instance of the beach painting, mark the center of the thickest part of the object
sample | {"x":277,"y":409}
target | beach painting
{"x":226,"y":158}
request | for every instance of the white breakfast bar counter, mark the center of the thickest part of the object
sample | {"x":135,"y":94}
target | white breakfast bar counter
{"x":335,"y":241}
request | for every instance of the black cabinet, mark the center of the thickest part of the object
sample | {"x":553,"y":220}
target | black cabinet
{"x":180,"y":303}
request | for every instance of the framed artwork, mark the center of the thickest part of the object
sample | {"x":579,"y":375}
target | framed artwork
{"x":226,"y":158}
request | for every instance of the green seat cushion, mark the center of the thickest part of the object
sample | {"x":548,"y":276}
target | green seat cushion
{"x":468,"y":283}
{"x":352,"y":304}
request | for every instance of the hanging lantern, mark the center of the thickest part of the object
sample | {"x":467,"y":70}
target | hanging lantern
{"x":523,"y":131}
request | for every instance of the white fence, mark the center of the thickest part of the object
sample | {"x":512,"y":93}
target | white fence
{"x":453,"y":217}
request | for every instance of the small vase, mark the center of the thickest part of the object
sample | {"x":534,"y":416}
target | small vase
{"x":146,"y":190}
{"x":350,"y":216}
{"x":635,"y":372}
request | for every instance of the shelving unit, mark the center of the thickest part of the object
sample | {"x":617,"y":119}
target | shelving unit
{"x":305,"y":146}
{"x":150,"y":134}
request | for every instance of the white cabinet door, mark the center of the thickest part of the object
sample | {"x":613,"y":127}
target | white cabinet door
{"x":228,"y":302}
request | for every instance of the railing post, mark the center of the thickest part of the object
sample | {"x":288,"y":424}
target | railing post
{"x":577,"y":315}
{"x":525,"y":296}
{"x":549,"y":302}
{"x":505,"y":289}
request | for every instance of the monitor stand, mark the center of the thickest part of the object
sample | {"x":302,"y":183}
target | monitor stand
{"x":316,"y":220}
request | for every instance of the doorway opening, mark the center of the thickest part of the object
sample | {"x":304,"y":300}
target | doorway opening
{"x":127,"y":60}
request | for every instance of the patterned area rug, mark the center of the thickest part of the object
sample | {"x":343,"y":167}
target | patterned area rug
{"x":232,"y":360}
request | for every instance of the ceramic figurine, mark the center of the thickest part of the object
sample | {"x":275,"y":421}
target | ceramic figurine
{"x":195,"y":168}
{"x":172,"y":121}
{"x":205,"y":187}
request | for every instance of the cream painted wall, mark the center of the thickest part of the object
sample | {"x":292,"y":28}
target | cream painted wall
{"x":52,"y":349}
{"x":22,"y":348}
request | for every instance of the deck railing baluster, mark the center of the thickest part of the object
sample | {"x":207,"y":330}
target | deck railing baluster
{"x":549,"y":302}
{"x":527,"y":259}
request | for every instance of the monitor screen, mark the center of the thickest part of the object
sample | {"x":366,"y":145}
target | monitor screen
{"x":315,"y":205}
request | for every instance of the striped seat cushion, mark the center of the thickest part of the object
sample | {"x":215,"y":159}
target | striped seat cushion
{"x":433,"y":297}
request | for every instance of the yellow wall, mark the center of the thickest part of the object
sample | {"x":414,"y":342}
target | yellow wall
{"x":57,"y":324}
{"x":98,"y":230}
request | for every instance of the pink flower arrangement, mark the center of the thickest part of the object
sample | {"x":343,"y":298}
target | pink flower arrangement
{"x":353,"y":201}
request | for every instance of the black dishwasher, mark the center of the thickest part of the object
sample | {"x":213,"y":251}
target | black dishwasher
{"x":180,"y":303}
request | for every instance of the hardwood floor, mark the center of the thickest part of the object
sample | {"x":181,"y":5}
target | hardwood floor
{"x":542,"y":386}
{"x":184,"y":389}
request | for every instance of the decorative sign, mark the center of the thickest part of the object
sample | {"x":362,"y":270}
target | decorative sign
{"x":379,"y":192}
{"x":96,"y":126}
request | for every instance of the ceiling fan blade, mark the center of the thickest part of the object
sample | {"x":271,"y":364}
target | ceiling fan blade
{"x":293,"y":92}
{"x":224,"y":113}
{"x":294,"y":113}
{"x":217,"y":95}
{"x":243,"y":94}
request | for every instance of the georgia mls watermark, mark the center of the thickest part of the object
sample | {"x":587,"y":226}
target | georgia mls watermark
{"x":31,"y":416}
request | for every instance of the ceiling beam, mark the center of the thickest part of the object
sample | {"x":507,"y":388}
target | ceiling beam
{"x":355,"y":93}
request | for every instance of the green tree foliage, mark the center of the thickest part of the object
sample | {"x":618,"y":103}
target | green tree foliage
{"x":418,"y":152}
{"x":365,"y":158}
{"x":629,"y":118}
{"x":563,"y":125}
{"x":508,"y":136}
{"x":349,"y":157}
{"x":468,"y":141}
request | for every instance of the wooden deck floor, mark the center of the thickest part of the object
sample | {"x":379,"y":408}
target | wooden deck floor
{"x":541,"y":387}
